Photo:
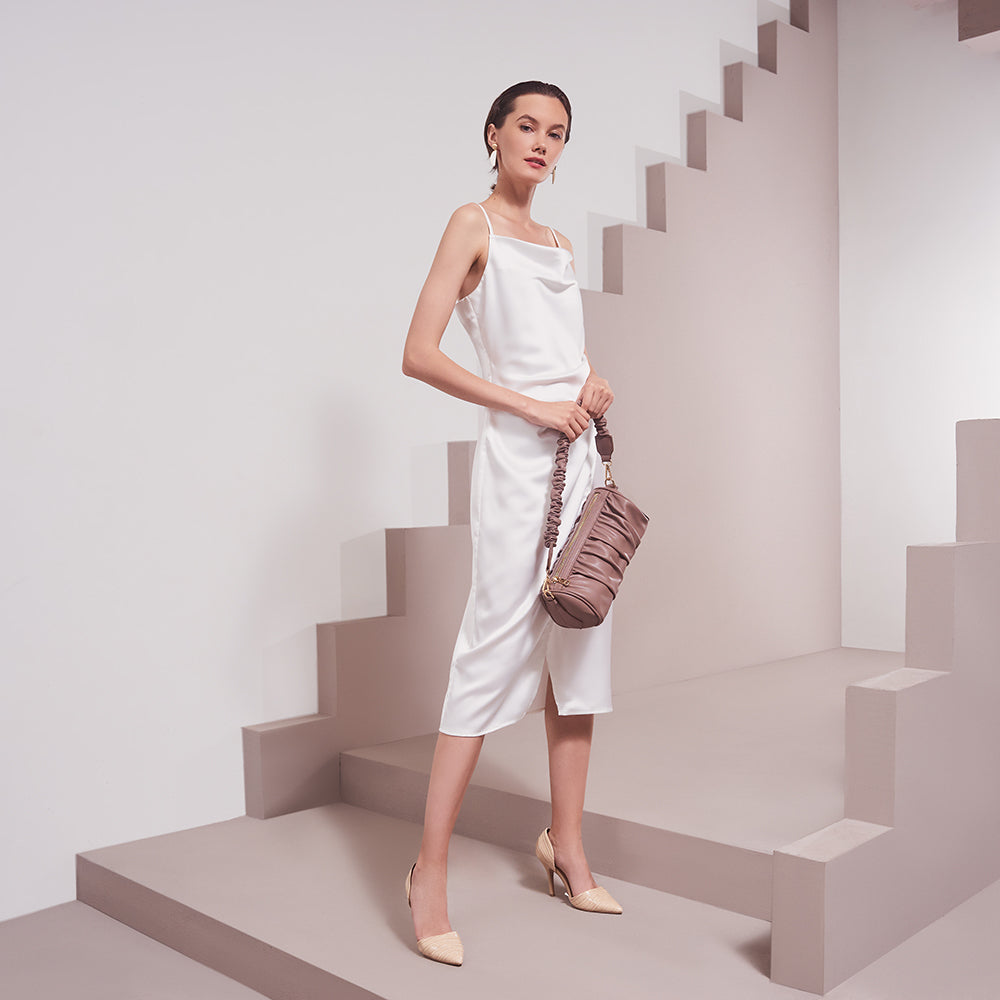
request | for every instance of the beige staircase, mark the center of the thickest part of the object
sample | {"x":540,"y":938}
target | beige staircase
{"x":922,"y":808}
{"x":695,"y":789}
{"x":379,"y":678}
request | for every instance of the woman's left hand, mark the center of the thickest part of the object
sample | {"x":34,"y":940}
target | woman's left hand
{"x":596,"y":395}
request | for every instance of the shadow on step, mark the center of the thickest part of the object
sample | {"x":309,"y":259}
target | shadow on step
{"x":757,"y":952}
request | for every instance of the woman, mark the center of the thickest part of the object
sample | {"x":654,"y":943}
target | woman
{"x":512,"y":282}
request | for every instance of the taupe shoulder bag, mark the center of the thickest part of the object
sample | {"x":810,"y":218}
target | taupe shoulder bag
{"x":587,"y":573}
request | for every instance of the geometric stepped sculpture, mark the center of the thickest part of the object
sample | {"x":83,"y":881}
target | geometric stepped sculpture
{"x":380,"y":678}
{"x":718,"y":327}
{"x":921,"y":832}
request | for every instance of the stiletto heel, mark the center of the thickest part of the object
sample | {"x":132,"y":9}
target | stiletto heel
{"x":446,"y":948}
{"x":550,"y":873}
{"x":596,"y":900}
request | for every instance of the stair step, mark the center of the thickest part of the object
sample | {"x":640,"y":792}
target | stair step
{"x":73,"y":952}
{"x":310,"y":905}
{"x":692,"y":785}
{"x":979,"y":24}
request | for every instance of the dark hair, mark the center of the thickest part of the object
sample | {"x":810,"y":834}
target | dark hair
{"x":504,"y":104}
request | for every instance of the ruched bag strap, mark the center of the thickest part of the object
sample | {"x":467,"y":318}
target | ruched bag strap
{"x":605,"y":448}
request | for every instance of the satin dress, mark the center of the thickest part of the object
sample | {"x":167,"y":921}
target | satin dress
{"x":525,"y":319}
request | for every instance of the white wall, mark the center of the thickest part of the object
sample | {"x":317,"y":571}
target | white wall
{"x":920,"y":288}
{"x":216,"y":216}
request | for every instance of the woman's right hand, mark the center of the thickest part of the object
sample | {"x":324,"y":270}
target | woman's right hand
{"x":567,"y":416}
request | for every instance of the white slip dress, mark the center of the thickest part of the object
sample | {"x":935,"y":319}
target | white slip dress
{"x":525,"y":320}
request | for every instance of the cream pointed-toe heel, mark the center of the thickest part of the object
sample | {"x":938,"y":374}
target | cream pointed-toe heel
{"x":596,"y":900}
{"x":446,"y":948}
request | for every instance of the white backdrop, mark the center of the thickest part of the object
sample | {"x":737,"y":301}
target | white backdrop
{"x":920,"y":287}
{"x":215,"y":219}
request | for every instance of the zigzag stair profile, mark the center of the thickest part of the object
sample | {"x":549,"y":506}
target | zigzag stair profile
{"x":378,"y":678}
{"x":723,"y":327}
{"x":727,"y":785}
{"x":922,"y":808}
{"x":308,"y":904}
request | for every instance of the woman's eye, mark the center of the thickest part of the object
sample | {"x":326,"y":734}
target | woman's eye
{"x":525,"y":128}
{"x":556,"y":135}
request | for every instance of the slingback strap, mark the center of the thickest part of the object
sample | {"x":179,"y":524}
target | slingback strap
{"x":605,"y":448}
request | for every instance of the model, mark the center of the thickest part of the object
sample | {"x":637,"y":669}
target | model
{"x":512,"y":283}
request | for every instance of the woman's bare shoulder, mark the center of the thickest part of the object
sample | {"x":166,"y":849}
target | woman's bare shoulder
{"x":469,"y":217}
{"x":467,"y":225}
{"x":466,"y":233}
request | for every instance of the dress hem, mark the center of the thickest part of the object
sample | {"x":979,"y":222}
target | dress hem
{"x":513,"y":722}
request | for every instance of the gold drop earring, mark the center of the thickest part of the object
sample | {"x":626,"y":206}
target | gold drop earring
{"x":493,"y":158}
{"x":553,"y":175}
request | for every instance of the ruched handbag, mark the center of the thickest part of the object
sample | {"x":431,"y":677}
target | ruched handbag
{"x":584,"y":579}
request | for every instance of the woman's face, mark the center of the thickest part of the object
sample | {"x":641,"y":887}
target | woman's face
{"x":531,"y":138}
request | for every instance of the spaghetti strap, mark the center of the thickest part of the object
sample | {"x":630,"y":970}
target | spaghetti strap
{"x":556,"y":238}
{"x":487,"y":214}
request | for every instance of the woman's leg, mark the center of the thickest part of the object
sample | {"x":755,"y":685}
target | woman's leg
{"x":455,"y":759}
{"x":569,"y":738}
